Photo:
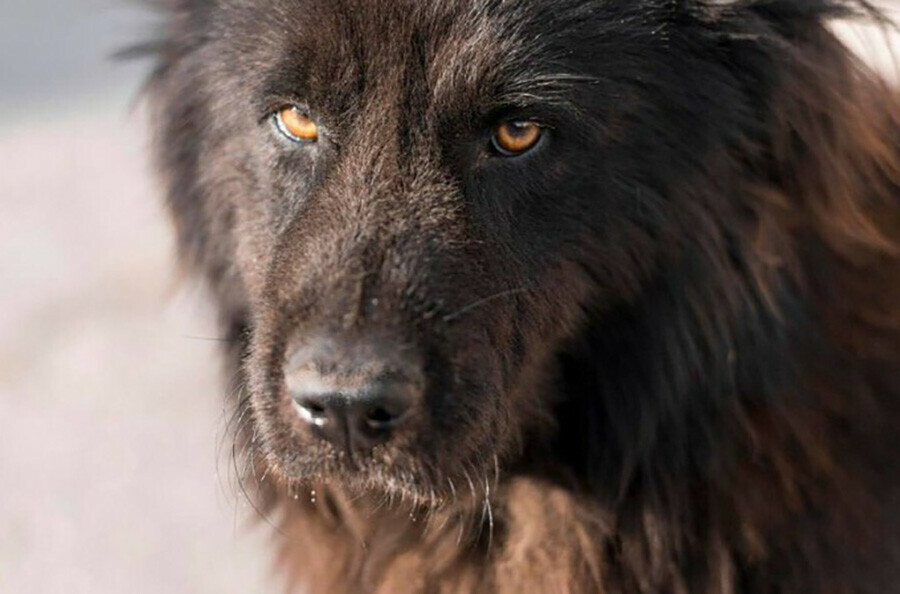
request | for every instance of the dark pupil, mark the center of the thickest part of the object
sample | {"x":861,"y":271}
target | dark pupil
{"x":518,"y":129}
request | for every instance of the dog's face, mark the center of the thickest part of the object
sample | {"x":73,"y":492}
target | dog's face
{"x":419,"y":203}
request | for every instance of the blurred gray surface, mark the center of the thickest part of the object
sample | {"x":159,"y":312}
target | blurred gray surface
{"x":110,"y":400}
{"x":58,"y":53}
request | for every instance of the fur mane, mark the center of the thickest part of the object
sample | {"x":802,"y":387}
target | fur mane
{"x":761,"y":472}
{"x":750,"y":393}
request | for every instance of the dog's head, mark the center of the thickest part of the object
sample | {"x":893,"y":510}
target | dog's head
{"x":415,"y":207}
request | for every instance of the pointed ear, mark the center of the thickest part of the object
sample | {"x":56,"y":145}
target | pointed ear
{"x":798,"y":8}
{"x":787,"y":15}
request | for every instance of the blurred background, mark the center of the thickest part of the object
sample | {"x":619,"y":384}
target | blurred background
{"x":111,"y":476}
{"x":110,"y":399}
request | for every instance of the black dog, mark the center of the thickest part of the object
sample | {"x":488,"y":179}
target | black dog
{"x":550,"y":296}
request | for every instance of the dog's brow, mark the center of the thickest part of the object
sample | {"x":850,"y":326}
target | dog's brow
{"x":554,"y":90}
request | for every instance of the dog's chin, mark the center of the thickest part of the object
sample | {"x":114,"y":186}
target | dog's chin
{"x":382,"y":475}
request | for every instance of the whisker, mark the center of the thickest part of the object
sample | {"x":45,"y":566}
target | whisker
{"x":204,"y":338}
{"x":228,"y":419}
{"x":490,"y":514}
{"x":231,"y":426}
{"x":483,"y":301}
{"x":249,"y":499}
{"x":471,"y":484}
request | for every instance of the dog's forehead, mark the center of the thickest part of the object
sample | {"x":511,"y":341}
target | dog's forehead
{"x":448,"y":49}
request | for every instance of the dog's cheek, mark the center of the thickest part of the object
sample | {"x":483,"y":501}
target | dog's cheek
{"x":251,"y":219}
{"x":506,"y":358}
{"x":556,"y":312}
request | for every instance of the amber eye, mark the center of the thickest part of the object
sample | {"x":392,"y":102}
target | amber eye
{"x":296,"y":125}
{"x":516,"y":137}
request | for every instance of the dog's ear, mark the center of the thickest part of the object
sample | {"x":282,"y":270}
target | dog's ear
{"x":172,"y":16}
{"x":784,"y":10}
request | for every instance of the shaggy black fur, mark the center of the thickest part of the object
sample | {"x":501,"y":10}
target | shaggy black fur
{"x":659,"y":352}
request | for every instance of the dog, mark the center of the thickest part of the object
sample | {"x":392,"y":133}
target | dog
{"x":548,"y":296}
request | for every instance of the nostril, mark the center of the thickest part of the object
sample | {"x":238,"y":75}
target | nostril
{"x":315,"y":408}
{"x":313,"y":411}
{"x":345,"y":394}
{"x":380,"y":418}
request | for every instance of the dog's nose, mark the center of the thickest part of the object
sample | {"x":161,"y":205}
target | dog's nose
{"x":355,"y":421}
{"x":354,"y":396}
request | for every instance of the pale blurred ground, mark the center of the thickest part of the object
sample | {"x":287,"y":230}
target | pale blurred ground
{"x":109,"y":409}
{"x":110,"y":405}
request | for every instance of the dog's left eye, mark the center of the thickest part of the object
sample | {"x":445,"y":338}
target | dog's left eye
{"x":295,"y":125}
{"x":515,"y":137}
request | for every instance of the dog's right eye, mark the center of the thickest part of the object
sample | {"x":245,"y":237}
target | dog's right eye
{"x":295,"y":125}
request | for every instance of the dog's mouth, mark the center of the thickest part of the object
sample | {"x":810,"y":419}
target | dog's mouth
{"x":301,"y":461}
{"x":365,"y":423}
{"x":385,"y":405}
{"x":425,"y":454}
